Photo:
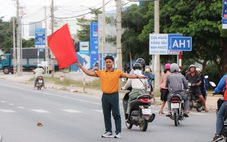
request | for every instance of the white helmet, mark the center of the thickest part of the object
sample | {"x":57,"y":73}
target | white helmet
{"x":174,"y":67}
{"x":198,"y":69}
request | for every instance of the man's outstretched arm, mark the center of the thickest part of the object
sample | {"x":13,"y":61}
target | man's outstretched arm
{"x":132,"y":76}
{"x":89,"y":73}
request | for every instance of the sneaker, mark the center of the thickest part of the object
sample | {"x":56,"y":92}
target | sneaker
{"x":217,"y":138}
{"x":117,"y":136}
{"x":107,"y":135}
{"x":185,"y":115}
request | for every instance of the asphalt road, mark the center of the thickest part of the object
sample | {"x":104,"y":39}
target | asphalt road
{"x":68,"y":117}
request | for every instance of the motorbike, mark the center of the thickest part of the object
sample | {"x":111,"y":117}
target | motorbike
{"x":39,"y":82}
{"x":177,"y":106}
{"x":224,"y":127}
{"x":140,"y":112}
{"x":194,"y":101}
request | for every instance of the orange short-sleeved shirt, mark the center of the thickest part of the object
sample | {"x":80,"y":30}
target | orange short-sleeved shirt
{"x":109,"y":80}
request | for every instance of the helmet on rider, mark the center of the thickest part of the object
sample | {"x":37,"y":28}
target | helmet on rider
{"x":198,"y":69}
{"x":174,"y":67}
{"x":147,"y":69}
{"x":137,"y":66}
{"x":141,"y":61}
{"x":167,"y":66}
{"x":192,"y":66}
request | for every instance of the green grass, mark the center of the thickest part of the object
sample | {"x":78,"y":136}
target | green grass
{"x":70,"y":82}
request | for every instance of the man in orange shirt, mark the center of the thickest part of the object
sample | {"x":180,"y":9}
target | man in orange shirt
{"x":109,"y":80}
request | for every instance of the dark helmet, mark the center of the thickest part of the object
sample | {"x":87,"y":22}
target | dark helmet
{"x":174,"y":67}
{"x":141,"y":61}
{"x":137,"y":66}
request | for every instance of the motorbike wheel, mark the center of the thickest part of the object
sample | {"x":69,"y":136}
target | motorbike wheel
{"x":39,"y":87}
{"x":176,"y":121}
{"x":128,"y":125}
{"x":144,"y":125}
{"x":199,"y":108}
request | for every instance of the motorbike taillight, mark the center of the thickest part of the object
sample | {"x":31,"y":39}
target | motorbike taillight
{"x":175,"y":100}
{"x":40,"y":77}
{"x":145,"y":100}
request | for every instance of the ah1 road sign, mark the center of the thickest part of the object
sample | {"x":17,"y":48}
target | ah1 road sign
{"x":181,"y":43}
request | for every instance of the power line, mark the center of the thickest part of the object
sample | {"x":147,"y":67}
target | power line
{"x":81,"y":14}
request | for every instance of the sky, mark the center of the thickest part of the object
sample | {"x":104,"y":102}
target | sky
{"x":32,"y":9}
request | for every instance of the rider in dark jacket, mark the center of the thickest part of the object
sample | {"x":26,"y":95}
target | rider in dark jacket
{"x":221,"y":113}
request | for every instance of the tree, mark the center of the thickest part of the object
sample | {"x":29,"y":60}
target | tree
{"x":28,"y":43}
{"x":200,"y":19}
{"x":6,"y":36}
{"x":133,"y":22}
{"x":84,"y":33}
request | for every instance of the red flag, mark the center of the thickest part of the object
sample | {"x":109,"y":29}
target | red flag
{"x":61,"y":44}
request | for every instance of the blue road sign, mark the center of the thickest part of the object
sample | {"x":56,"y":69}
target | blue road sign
{"x":181,"y":43}
{"x":94,"y":43}
{"x":40,"y":39}
{"x":224,"y":15}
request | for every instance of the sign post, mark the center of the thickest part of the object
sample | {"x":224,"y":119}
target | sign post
{"x":40,"y":41}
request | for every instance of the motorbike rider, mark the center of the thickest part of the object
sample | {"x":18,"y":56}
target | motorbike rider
{"x":150,"y":77}
{"x":138,"y":85}
{"x":163,"y":89}
{"x":177,"y":84}
{"x":39,"y":71}
{"x":141,"y":61}
{"x":96,"y":66}
{"x":221,"y":113}
{"x":194,"y":78}
{"x":202,"y":85}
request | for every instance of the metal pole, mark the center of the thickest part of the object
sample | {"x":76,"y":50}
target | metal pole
{"x":21,"y":47}
{"x":46,"y":43}
{"x":103,"y":31}
{"x":157,"y":57}
{"x":52,"y":31}
{"x":180,"y":60}
{"x":14,"y":47}
{"x":119,"y":47}
{"x":18,"y":41}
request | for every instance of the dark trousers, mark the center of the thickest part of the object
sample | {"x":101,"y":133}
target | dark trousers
{"x":110,"y":102}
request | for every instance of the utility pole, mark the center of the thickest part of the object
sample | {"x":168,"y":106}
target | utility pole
{"x":103,"y":32}
{"x":14,"y":48}
{"x":46,"y":43}
{"x":119,"y":47}
{"x":18,"y":41}
{"x":52,"y":31}
{"x":157,"y":57}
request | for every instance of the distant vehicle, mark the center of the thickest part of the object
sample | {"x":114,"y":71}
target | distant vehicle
{"x":39,"y":83}
{"x":29,"y":60}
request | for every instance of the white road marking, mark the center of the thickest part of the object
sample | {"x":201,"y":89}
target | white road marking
{"x":7,"y":111}
{"x":198,"y":113}
{"x":3,"y":101}
{"x":20,"y":107}
{"x":11,"y":104}
{"x":71,"y":110}
{"x":98,"y":110}
{"x":39,"y":110}
{"x":90,"y":102}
